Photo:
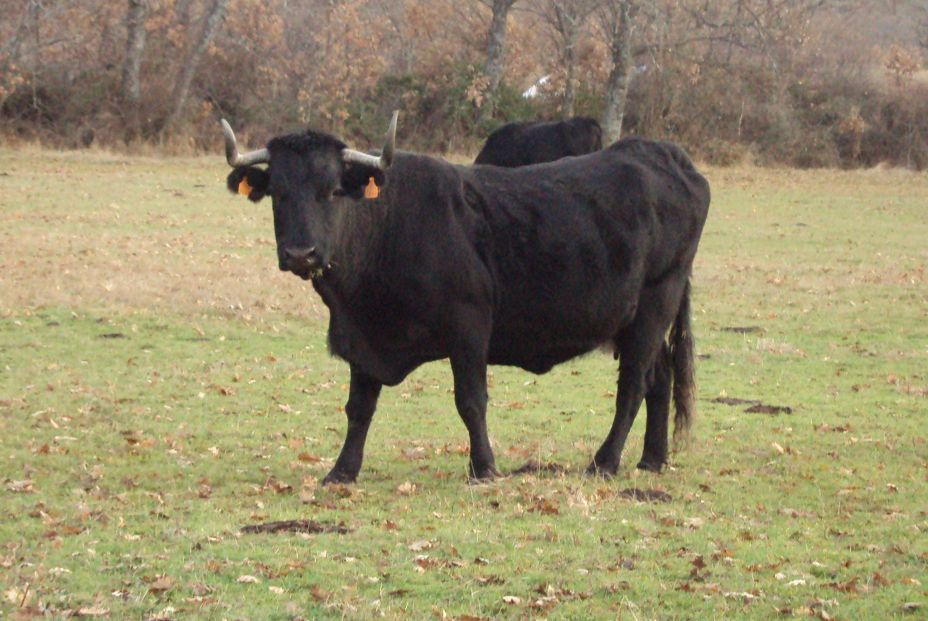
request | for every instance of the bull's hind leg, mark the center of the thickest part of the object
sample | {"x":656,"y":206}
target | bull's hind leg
{"x":362,"y":400}
{"x":657,"y":400}
{"x":639,"y":345}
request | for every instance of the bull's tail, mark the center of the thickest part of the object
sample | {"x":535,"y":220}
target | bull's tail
{"x":684,"y":372}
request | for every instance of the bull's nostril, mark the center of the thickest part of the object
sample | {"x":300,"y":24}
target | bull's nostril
{"x":300,"y":259}
{"x":300,"y":254}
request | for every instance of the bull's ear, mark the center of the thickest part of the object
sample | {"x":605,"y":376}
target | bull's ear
{"x":356,"y":177}
{"x":248,"y":181}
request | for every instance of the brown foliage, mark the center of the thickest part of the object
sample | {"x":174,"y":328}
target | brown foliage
{"x":801,"y":83}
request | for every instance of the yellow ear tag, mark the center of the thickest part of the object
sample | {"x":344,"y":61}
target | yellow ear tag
{"x":243,"y":188}
{"x":371,"y":190}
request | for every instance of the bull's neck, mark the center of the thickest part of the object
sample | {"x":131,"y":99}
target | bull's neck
{"x":357,"y":232}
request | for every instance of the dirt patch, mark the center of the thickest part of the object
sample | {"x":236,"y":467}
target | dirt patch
{"x":645,"y":495}
{"x":735,"y":401}
{"x":742,"y":329}
{"x":536,"y":467}
{"x":761,"y":408}
{"x":755,"y":406}
{"x":296,"y":526}
{"x":111,"y":335}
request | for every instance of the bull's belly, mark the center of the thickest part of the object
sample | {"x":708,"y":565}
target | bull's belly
{"x":540,"y":346}
{"x":539,"y":359}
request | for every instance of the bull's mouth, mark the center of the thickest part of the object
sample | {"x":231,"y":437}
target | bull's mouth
{"x":309,"y":273}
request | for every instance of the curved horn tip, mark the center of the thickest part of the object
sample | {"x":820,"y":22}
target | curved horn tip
{"x":231,"y":149}
{"x":390,"y":143}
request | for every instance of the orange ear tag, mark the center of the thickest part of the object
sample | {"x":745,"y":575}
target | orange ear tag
{"x":243,"y":188}
{"x":371,"y":190}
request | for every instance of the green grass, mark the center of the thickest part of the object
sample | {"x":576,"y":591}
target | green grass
{"x":163,"y":385}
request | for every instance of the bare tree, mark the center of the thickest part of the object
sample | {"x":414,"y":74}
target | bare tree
{"x":921,"y":30}
{"x":616,"y":20}
{"x":496,"y":52}
{"x":9,"y":51}
{"x":135,"y":48}
{"x":567,"y":19}
{"x":211,"y":23}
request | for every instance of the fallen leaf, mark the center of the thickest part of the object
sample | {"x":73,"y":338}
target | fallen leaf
{"x":420,"y":545}
{"x":693,"y":523}
{"x":512,"y":600}
{"x":20,"y":487}
{"x":544,"y":506}
{"x":248,"y":580}
{"x":161,"y":584}
{"x":91,"y":611}
{"x":881,"y":580}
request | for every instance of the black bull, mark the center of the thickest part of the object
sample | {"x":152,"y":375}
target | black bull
{"x":535,"y":142}
{"x":527,"y":267}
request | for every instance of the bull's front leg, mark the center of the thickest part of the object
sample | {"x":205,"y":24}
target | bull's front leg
{"x":362,"y":401}
{"x":469,"y":366}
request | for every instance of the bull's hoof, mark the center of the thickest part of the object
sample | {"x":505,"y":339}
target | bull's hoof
{"x":604,"y":470}
{"x":484,"y":474}
{"x":339,"y":477}
{"x":650,"y":465}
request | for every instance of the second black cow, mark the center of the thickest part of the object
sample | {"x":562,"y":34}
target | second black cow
{"x":536,"y":142}
{"x":419,"y":260}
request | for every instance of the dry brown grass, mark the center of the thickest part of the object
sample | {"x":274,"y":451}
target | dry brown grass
{"x":105,"y":231}
{"x":112,"y":232}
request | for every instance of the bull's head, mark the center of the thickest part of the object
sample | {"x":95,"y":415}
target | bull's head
{"x":307,"y":175}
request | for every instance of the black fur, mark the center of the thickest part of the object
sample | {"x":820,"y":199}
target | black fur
{"x":484,"y":265}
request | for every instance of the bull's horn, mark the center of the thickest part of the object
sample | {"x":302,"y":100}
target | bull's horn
{"x":235,"y":158}
{"x":386,"y":157}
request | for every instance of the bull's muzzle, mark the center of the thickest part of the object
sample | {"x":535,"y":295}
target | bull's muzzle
{"x":304,"y":262}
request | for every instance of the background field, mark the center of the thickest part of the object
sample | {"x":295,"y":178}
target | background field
{"x":163,"y":385}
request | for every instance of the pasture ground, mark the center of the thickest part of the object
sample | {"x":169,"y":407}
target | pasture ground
{"x":162,"y":385}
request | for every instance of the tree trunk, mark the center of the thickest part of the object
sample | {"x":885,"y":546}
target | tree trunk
{"x":567,"y":20}
{"x":211,"y":23}
{"x":570,"y":82}
{"x":135,"y":49}
{"x":496,"y":53}
{"x":618,"y":20}
{"x":9,"y":51}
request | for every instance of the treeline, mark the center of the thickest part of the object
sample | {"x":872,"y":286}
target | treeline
{"x":796,"y":82}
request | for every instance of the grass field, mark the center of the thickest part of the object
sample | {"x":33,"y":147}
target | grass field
{"x":162,"y":385}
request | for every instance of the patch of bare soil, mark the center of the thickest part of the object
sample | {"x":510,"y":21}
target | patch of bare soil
{"x":755,"y":406}
{"x":296,"y":526}
{"x":645,"y":495}
{"x":536,"y":467}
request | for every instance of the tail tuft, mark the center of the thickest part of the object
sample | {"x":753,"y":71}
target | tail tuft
{"x":684,"y":372}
